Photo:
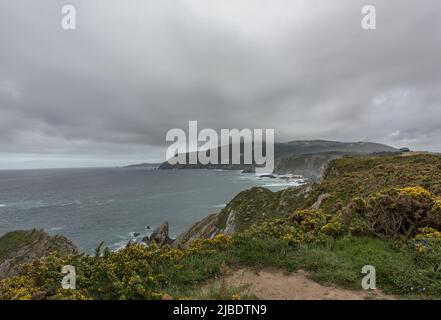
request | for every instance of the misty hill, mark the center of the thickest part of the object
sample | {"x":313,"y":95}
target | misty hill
{"x":308,"y":158}
{"x":319,"y":146}
{"x":143,"y":166}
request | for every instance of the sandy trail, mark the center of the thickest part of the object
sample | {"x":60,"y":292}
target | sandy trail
{"x":275,"y":284}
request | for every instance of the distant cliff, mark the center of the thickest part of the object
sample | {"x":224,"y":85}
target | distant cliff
{"x":306,"y":158}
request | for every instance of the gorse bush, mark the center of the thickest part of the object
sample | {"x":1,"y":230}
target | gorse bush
{"x":361,"y":176}
{"x":298,"y":241}
{"x":427,"y":244}
{"x":303,"y":227}
{"x":394,"y":212}
{"x":141,"y":272}
{"x":135,"y":272}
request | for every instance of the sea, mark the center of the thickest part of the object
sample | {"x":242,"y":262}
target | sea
{"x":118,"y":205}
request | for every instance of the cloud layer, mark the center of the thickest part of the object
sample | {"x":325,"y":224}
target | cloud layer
{"x":109,"y":91}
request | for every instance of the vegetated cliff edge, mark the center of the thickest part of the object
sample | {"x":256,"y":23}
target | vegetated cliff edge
{"x":247,"y":208}
{"x":345,"y":179}
{"x":18,"y":247}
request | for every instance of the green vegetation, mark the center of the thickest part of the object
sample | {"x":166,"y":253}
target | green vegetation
{"x":19,"y":246}
{"x":362,"y":176}
{"x":394,"y":212}
{"x":381,"y":211}
{"x":256,"y":205}
{"x":12,"y":242}
{"x":399,"y":269}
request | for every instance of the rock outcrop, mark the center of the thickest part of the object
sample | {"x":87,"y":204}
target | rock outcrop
{"x":159,"y":235}
{"x":18,"y":247}
{"x":247,"y":208}
{"x":316,"y":205}
{"x":311,"y":166}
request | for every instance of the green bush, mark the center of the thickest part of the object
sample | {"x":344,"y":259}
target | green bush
{"x":394,"y":212}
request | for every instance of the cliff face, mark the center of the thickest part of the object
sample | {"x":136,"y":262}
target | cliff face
{"x":18,"y":247}
{"x":311,"y":166}
{"x":247,"y":208}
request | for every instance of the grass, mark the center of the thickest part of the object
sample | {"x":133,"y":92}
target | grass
{"x":360,"y":176}
{"x":340,"y":262}
{"x":334,"y":262}
{"x":128,"y":275}
{"x":223,"y":291}
{"x":11,"y":242}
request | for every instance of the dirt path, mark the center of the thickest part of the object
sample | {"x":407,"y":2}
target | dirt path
{"x":275,"y":284}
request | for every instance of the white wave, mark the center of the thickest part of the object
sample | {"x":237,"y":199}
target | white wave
{"x":2,"y":205}
{"x":219,"y":205}
{"x":55,"y":229}
{"x":66,"y":204}
{"x":286,"y":184}
{"x":119,"y":245}
{"x":133,"y":236}
{"x":27,"y":204}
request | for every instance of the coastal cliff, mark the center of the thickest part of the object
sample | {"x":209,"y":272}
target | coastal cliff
{"x":381,"y":210}
{"x":247,"y":208}
{"x":18,"y":247}
{"x":344,"y":179}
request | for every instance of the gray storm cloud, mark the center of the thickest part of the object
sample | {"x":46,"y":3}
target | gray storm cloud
{"x":109,"y":91}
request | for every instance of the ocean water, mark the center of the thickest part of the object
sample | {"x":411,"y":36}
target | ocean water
{"x":114,"y":204}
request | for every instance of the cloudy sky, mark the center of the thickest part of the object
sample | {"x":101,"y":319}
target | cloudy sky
{"x":106,"y":93}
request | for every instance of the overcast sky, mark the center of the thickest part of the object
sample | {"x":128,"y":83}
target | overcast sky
{"x":106,"y":93}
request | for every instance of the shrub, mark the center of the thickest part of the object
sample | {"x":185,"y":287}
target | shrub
{"x":135,"y":272}
{"x":427,"y":244}
{"x":394,"y":212}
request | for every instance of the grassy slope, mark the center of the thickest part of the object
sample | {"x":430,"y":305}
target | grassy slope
{"x":21,"y":246}
{"x":360,"y":176}
{"x":12,"y":242}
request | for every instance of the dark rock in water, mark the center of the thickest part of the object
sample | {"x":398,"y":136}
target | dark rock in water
{"x":147,"y":227}
{"x":250,"y":169}
{"x":136,"y":234}
{"x":159,"y":235}
{"x":268,"y":176}
{"x":17,"y":247}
